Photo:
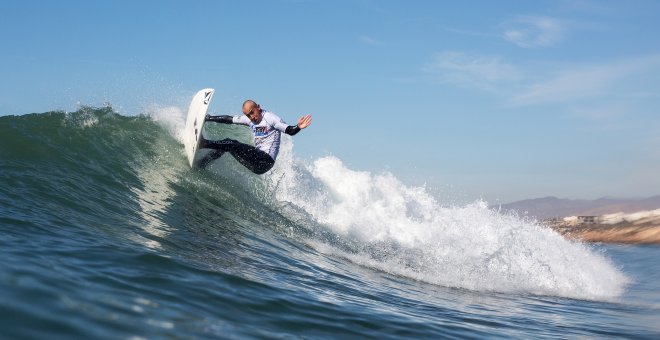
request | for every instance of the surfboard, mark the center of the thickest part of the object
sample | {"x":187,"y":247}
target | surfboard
{"x":194,"y":126}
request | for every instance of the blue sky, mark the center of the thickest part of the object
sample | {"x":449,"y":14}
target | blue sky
{"x":502,"y":100}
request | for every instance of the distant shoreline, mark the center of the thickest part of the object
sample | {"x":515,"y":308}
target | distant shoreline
{"x":622,"y":233}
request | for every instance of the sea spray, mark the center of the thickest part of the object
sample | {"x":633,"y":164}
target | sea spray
{"x":172,"y":118}
{"x":403,"y":230}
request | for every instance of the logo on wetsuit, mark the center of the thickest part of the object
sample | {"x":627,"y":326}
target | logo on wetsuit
{"x":260,"y":131}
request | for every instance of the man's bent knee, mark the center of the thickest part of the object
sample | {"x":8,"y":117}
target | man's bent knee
{"x":262,"y":168}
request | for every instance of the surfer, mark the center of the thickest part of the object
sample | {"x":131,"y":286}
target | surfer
{"x":266,"y":128}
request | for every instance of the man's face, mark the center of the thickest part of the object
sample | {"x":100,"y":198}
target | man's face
{"x":253,"y":112}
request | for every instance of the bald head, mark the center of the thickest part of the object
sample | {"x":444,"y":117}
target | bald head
{"x":252,"y":110}
{"x":249,"y":105}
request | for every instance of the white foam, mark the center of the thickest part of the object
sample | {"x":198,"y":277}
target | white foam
{"x":171,"y":118}
{"x":82,"y":120}
{"x":403,"y":230}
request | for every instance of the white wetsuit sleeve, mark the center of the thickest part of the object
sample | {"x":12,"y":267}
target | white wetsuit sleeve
{"x":240,"y":120}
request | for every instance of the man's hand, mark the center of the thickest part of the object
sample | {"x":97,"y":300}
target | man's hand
{"x":304,"y":121}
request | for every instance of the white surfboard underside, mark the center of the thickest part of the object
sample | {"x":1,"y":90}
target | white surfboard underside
{"x":194,"y":126}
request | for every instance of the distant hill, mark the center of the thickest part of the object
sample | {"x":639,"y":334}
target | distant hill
{"x":549,"y":207}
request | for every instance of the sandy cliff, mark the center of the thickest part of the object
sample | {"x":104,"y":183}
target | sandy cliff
{"x":642,"y":227}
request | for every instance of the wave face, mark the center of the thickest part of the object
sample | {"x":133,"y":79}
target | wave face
{"x":101,"y":216}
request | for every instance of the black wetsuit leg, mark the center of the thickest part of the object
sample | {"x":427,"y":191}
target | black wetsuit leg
{"x":210,"y":157}
{"x":252,"y":158}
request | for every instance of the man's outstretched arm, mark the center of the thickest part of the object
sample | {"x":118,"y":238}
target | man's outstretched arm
{"x":224,"y":119}
{"x":303,"y":122}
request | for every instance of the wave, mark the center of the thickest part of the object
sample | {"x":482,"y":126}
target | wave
{"x":61,"y":169}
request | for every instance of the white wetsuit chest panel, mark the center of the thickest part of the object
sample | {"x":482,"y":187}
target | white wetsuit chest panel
{"x":267,"y":133}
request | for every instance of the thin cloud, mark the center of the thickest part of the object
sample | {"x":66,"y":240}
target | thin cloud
{"x":523,"y":85}
{"x":532,"y":31}
{"x":569,"y":85}
{"x":585,"y":82}
{"x":485,"y":73}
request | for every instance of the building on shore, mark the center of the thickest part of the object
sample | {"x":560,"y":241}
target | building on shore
{"x":587,"y":220}
{"x":576,"y":221}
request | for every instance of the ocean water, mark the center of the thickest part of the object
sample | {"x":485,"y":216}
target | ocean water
{"x":106,"y":233}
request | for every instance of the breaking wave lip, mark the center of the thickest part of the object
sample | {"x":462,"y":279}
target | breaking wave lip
{"x":376,"y":221}
{"x":172,"y":118}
